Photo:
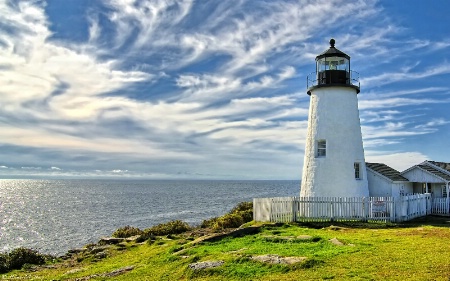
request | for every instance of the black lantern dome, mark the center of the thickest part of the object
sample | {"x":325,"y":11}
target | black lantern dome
{"x":333,"y":69}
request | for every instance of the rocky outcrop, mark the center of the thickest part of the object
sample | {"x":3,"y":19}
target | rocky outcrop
{"x":205,"y":264}
{"x":107,"y":274}
{"x":276,"y":259}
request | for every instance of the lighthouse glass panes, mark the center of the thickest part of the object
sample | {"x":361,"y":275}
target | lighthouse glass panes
{"x":321,"y":148}
{"x":333,"y":63}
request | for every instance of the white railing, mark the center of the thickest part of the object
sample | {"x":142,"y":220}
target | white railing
{"x":441,"y":206}
{"x":287,"y":209}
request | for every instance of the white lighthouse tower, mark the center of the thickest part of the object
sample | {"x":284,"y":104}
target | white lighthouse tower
{"x":334,"y":164}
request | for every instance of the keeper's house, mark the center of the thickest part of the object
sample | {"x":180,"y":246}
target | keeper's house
{"x":427,"y":177}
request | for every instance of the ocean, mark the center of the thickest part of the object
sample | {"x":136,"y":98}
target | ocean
{"x":53,"y":216}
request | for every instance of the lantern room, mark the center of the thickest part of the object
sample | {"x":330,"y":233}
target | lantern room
{"x":333,"y":69}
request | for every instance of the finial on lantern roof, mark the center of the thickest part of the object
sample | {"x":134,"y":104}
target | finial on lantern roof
{"x":332,"y":42}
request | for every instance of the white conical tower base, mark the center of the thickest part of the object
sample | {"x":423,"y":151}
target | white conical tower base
{"x":334,"y":118}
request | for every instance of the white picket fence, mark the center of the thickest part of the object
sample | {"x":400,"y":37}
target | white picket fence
{"x":441,"y":206}
{"x":288,"y":209}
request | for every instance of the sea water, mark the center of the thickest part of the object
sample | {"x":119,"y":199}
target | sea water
{"x":53,"y":216}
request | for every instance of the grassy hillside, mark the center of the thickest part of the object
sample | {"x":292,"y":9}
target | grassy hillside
{"x":417,"y":250}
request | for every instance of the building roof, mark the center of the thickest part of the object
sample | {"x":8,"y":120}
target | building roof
{"x":442,"y":165}
{"x":386,"y":171}
{"x":434,"y":171}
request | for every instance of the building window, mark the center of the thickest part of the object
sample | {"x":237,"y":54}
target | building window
{"x":444,"y":191}
{"x":321,"y":148}
{"x":357,"y":167}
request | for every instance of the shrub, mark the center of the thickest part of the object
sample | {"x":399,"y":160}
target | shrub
{"x":146,"y":236}
{"x":232,"y":220}
{"x":171,"y":227}
{"x":20,"y":256}
{"x":4,"y":267}
{"x":127,"y":231}
{"x":209,"y":222}
{"x":240,"y":214}
{"x":243,"y":207}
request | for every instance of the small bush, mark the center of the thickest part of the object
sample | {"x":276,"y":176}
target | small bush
{"x":171,"y":227}
{"x":127,"y":231}
{"x":242,"y":207}
{"x":209,"y":222}
{"x":20,"y":256}
{"x":4,"y":264}
{"x":146,"y":236}
{"x":228,"y":221}
{"x":242,"y":213}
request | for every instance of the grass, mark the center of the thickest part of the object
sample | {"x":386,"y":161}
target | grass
{"x":416,"y":250}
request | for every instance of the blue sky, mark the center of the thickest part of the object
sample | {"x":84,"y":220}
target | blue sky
{"x":211,"y":89}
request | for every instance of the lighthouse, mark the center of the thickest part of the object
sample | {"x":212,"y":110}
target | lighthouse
{"x":334,"y":164}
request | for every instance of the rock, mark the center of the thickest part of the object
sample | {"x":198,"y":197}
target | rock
{"x":98,"y":249}
{"x":205,"y":264}
{"x":76,"y":251}
{"x":238,"y":232}
{"x":273,"y":238}
{"x":100,"y":255}
{"x":133,"y":238}
{"x":111,"y":240}
{"x":304,"y":237}
{"x":336,"y":242}
{"x":75,"y":270}
{"x":336,"y":228}
{"x":119,"y":271}
{"x":238,"y":251}
{"x":276,"y":259}
{"x":108,"y":274}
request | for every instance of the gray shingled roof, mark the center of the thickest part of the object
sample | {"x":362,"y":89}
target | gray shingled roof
{"x":434,"y":171}
{"x":386,"y":171}
{"x":442,"y":165}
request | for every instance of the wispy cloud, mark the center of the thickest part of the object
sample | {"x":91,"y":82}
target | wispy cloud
{"x":405,"y":74}
{"x":166,"y":87}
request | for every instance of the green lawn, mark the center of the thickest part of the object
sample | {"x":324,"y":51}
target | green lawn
{"x":417,"y":250}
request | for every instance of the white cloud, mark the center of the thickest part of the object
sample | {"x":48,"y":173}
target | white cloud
{"x":395,"y":102}
{"x":433,"y":123}
{"x":31,"y":168}
{"x":119,"y":171}
{"x":404,"y":74}
{"x":82,"y":100}
{"x":397,"y":160}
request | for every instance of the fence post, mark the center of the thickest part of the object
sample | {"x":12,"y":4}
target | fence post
{"x":331,"y":209}
{"x":393,"y":210}
{"x":294,"y":210}
{"x":366,"y":209}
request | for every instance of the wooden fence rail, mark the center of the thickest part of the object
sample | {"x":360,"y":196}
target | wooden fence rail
{"x":288,"y":209}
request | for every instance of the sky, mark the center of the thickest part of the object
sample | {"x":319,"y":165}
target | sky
{"x":186,"y":89}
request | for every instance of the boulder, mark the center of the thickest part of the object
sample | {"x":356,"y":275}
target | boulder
{"x":205,"y":264}
{"x":336,"y":242}
{"x":276,"y":259}
{"x":110,"y":240}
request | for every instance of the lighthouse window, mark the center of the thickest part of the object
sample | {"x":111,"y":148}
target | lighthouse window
{"x":357,"y":170}
{"x":321,"y":148}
